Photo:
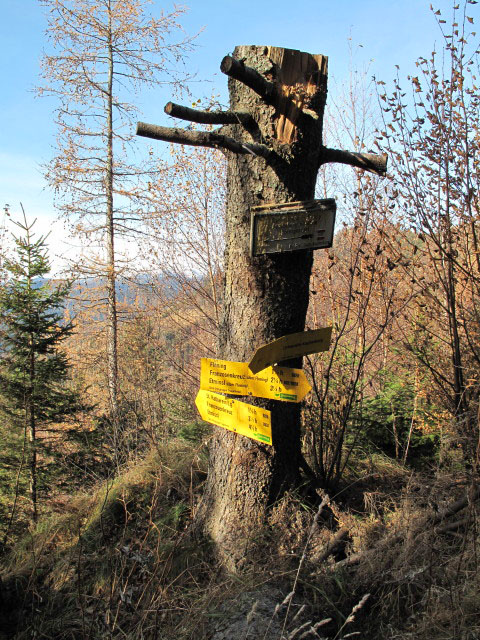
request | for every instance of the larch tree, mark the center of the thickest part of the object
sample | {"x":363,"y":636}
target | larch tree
{"x":102,"y":51}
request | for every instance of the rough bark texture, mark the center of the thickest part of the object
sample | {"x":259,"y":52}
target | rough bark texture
{"x":267,"y":296}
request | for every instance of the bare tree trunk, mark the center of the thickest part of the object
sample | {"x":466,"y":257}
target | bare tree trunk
{"x":267,"y":296}
{"x":30,"y":415}
{"x":112,"y":357}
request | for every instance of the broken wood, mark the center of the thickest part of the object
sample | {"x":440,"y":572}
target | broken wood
{"x":453,"y":526}
{"x":201,"y":139}
{"x":208,"y":117}
{"x":452,"y":509}
{"x":456,"y":506}
{"x":299,"y":78}
{"x":333,"y":546}
{"x":301,"y":88}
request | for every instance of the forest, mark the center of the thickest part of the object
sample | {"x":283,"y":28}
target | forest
{"x":123,"y":514}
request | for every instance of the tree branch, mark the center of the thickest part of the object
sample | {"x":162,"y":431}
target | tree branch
{"x":368,"y":161}
{"x":235,"y":69}
{"x":208,"y":117}
{"x":201,"y":139}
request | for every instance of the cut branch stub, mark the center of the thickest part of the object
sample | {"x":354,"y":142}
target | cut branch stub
{"x":201,"y":139}
{"x":249,"y":77}
{"x":367,"y":161}
{"x":207,"y":117}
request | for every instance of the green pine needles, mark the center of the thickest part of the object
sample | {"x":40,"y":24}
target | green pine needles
{"x":34,"y":371}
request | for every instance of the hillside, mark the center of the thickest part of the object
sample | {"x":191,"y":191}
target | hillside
{"x":391,"y":555}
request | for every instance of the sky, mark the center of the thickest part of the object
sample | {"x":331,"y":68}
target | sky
{"x":380,"y":34}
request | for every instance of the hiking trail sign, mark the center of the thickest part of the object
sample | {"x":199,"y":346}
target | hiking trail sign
{"x":234,"y":415}
{"x":235,"y":378}
{"x":291,"y":346}
{"x":292,"y":226}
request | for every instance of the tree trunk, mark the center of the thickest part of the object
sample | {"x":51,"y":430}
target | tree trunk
{"x":267,"y":296}
{"x":112,"y":339}
{"x":32,"y":432}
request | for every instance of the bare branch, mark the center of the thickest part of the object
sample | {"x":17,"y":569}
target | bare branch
{"x":201,"y":139}
{"x":368,"y":161}
{"x":207,"y":117}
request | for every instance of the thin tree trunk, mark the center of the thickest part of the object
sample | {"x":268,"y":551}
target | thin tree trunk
{"x":29,"y":400}
{"x":32,"y":434}
{"x":112,"y":363}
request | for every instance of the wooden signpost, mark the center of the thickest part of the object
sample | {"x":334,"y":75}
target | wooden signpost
{"x":273,"y":137}
{"x":292,"y":226}
{"x":235,"y":378}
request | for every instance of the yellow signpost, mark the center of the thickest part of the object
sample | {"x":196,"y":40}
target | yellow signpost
{"x":290,"y":346}
{"x":237,"y":416}
{"x":279,"y":383}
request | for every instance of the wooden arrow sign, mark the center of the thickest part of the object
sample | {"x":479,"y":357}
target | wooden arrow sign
{"x":279,"y":383}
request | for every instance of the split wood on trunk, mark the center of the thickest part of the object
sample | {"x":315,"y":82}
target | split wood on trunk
{"x":272,"y":135}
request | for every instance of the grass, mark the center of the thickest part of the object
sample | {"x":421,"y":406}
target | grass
{"x":120,"y":561}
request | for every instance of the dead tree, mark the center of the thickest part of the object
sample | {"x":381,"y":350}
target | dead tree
{"x":272,"y":135}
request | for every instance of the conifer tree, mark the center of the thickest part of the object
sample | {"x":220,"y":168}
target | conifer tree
{"x":101,"y":53}
{"x":33,"y":369}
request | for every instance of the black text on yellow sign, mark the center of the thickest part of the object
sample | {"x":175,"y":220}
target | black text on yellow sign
{"x":234,"y":415}
{"x":292,"y":345}
{"x":279,"y":383}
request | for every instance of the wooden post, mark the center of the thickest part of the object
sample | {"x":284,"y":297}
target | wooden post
{"x":280,"y":94}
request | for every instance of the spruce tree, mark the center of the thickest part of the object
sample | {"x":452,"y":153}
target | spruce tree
{"x":33,"y":369}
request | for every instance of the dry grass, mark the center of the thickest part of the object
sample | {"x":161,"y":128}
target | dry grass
{"x":121,"y":562}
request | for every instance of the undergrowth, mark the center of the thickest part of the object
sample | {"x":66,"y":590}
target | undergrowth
{"x":382,"y":558}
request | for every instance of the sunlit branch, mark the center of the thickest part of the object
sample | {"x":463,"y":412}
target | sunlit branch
{"x":367,"y":161}
{"x":207,"y":117}
{"x":201,"y":139}
{"x":249,"y":77}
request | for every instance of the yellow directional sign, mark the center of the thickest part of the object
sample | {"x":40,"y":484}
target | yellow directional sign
{"x":280,"y":383}
{"x":243,"y":418}
{"x":291,"y":346}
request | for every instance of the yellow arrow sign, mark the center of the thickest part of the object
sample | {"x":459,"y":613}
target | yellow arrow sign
{"x":243,"y":418}
{"x":281,"y":383}
{"x":291,"y":346}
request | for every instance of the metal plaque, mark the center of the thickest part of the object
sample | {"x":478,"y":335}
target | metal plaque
{"x":292,"y":226}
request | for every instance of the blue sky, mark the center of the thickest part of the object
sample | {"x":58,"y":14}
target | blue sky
{"x":390,"y":33}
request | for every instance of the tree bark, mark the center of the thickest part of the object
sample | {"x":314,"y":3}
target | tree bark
{"x":32,"y":431}
{"x":201,"y":139}
{"x":265,"y":297}
{"x":112,"y":328}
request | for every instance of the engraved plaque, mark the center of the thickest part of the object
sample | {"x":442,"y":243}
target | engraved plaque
{"x":292,"y":226}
